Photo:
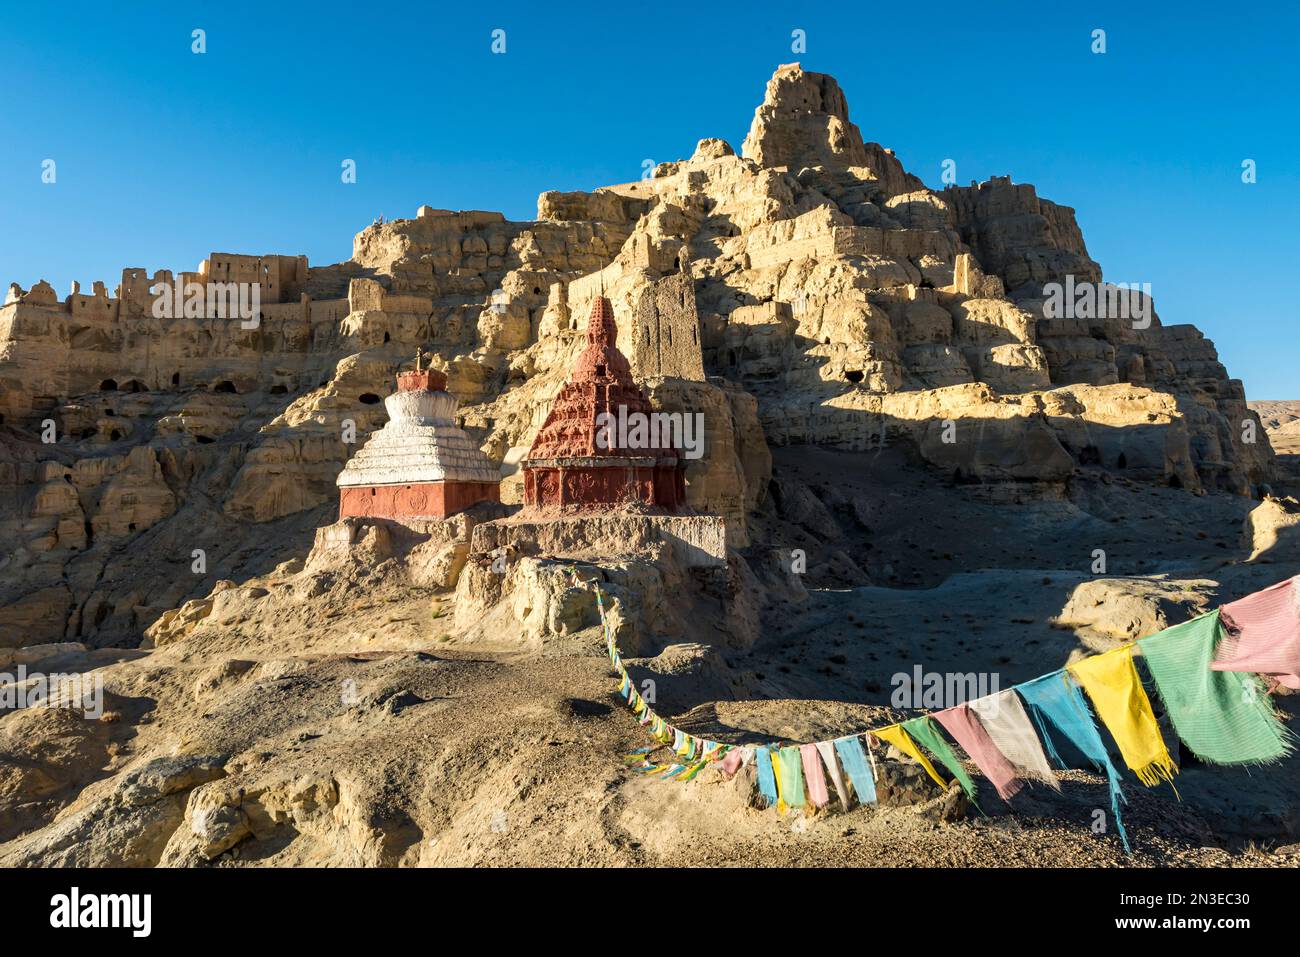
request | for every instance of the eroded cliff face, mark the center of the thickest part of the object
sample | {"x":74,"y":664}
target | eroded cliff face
{"x":832,"y":300}
{"x":882,"y":391}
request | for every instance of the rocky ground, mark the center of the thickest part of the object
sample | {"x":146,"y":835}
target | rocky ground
{"x":321,"y":714}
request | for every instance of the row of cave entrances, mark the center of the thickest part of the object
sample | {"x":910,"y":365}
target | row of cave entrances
{"x":224,"y":386}
{"x":135,"y":385}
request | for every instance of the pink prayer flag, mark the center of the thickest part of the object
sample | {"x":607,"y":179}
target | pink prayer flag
{"x":965,"y":727}
{"x":731,"y":762}
{"x":813,"y":776}
{"x":1262,"y":634}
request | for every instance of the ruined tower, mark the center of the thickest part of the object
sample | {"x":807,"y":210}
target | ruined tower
{"x":664,"y":336}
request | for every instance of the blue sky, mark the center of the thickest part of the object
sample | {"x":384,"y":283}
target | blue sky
{"x":164,"y":156}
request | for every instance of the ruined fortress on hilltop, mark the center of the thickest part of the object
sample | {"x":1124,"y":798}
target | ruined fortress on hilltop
{"x":809,"y":291}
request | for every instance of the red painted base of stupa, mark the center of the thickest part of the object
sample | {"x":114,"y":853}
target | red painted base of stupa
{"x":581,"y":487}
{"x":421,"y":500}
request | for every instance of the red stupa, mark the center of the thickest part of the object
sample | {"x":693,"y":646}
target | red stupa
{"x":567,"y":469}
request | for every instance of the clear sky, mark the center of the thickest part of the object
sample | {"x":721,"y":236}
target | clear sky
{"x":163,"y":156}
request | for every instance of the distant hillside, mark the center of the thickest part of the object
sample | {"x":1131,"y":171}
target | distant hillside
{"x":1282,"y":421}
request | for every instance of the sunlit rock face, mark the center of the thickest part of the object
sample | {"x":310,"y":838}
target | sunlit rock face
{"x":803,"y":290}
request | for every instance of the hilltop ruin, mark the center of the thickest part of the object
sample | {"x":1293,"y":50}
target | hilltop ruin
{"x":807,"y":292}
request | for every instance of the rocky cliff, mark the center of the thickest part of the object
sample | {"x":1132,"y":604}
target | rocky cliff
{"x":831,"y":299}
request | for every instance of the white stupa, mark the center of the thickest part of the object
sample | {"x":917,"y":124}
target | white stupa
{"x":420,"y":464}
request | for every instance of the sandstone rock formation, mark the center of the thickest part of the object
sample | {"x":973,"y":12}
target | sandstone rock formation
{"x":807,"y":292}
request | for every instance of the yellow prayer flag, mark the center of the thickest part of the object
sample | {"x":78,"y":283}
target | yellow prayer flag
{"x":900,"y":739}
{"x":1113,"y":685}
{"x":776,"y":771}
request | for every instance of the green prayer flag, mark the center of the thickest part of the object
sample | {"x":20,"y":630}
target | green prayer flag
{"x":926,"y":733}
{"x":1224,"y":717}
{"x":791,"y":777}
